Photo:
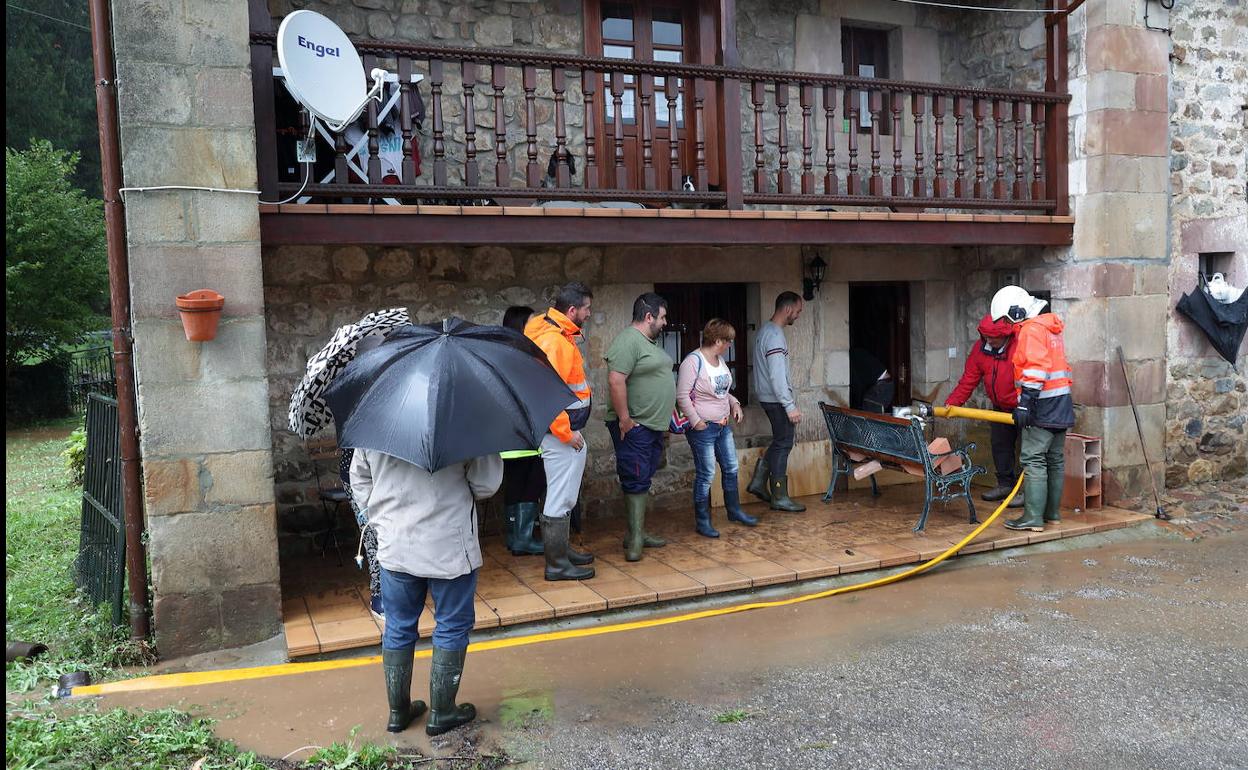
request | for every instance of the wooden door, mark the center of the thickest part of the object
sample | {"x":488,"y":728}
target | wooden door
{"x":691,"y":305}
{"x":879,"y":322}
{"x":661,"y":31}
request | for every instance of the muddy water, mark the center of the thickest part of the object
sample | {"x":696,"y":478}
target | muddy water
{"x":614,"y":679}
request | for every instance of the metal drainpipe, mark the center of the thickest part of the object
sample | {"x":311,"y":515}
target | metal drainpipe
{"x":119,"y":300}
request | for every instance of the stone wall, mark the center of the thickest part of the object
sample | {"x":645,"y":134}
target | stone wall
{"x":1206,"y":405}
{"x":184,"y":83}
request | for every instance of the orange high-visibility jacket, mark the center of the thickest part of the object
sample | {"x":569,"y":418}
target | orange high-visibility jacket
{"x":556,"y":336}
{"x":1042,"y":374}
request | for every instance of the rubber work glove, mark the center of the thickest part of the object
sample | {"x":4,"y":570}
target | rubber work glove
{"x":1022,"y":412}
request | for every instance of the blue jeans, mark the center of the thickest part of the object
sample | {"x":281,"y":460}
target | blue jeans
{"x":711,"y":445}
{"x":637,"y":456}
{"x":453,"y":609}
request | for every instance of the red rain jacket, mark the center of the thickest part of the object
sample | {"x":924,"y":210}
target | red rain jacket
{"x":995,"y":369}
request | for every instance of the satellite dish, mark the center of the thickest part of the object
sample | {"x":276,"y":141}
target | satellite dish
{"x":322,"y":69}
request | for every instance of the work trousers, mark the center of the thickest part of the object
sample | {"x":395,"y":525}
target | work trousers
{"x":454,"y":612}
{"x":782,"y":434}
{"x":564,"y":468}
{"x":524,"y":480}
{"x":1044,"y":463}
{"x":1004,"y":441}
{"x":711,"y":445}
{"x":637,"y":456}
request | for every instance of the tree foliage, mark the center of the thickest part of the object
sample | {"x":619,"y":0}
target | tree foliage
{"x":55,"y":269}
{"x":49,"y":90}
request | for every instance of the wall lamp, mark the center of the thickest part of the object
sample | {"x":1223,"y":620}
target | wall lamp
{"x":815,"y":269}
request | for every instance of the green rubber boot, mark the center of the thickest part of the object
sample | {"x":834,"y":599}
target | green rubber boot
{"x":397,"y":667}
{"x":780,"y":500}
{"x":444,"y":675}
{"x":1035,"y":491}
{"x":759,"y":481}
{"x":1053,"y":504}
{"x":636,"y":511}
{"x":521,"y":519}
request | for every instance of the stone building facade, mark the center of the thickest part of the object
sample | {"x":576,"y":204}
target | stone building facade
{"x":1157,"y":171}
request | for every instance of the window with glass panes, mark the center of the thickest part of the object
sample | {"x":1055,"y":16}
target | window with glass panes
{"x":647,"y":32}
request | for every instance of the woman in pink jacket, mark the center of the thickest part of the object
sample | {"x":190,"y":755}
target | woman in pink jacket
{"x":703,"y":396}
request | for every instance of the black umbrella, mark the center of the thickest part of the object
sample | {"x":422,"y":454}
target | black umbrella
{"x":439,"y":394}
{"x":1224,"y":325}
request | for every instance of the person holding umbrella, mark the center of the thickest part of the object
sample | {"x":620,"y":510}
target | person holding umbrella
{"x":428,"y":411}
{"x":564,"y":452}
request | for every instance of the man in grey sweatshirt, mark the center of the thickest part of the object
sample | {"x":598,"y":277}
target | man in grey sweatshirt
{"x":771,"y":384}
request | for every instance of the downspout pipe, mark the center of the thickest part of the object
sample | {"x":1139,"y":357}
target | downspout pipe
{"x":102,"y":56}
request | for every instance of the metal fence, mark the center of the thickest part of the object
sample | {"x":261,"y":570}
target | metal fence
{"x":101,"y":560}
{"x":90,"y":371}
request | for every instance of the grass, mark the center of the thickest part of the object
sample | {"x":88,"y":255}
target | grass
{"x":733,"y":716}
{"x":41,"y":602}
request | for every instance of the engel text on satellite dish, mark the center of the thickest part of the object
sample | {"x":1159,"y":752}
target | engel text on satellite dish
{"x":322,"y":69}
{"x":321,"y":50}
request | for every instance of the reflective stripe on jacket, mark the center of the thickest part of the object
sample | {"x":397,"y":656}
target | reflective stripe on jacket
{"x":556,"y":335}
{"x":1042,"y":374}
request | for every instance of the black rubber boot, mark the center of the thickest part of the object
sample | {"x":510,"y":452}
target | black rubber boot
{"x":634,"y":542}
{"x":997,"y":493}
{"x":521,"y":519}
{"x":444,"y":675}
{"x":558,"y":567}
{"x":759,"y":483}
{"x":780,"y":500}
{"x":397,"y":667}
{"x":732,"y":505}
{"x":702,"y":519}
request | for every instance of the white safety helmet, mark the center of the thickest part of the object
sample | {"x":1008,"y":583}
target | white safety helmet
{"x":1014,"y":304}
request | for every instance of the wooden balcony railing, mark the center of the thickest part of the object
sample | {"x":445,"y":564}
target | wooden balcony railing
{"x":622,"y":130}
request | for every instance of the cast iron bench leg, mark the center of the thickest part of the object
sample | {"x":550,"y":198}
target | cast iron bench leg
{"x":927,"y":504}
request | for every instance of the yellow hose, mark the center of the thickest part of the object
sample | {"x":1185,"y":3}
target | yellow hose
{"x":988,"y":415}
{"x":194,"y":678}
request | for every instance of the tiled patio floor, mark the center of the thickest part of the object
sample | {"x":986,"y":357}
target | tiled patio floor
{"x":325,"y":605}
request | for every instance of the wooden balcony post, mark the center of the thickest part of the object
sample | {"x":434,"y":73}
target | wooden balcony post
{"x":502,"y":168}
{"x":757,"y":95}
{"x":806,"y":95}
{"x":784,"y":183}
{"x":532,"y":173}
{"x":959,"y":169}
{"x":980,"y":110}
{"x":472,"y":170}
{"x":940,"y":185}
{"x":439,"y":130}
{"x":589,"y":87}
{"x":998,"y":118}
{"x":617,"y":103}
{"x":899,"y":177}
{"x":1056,"y":117}
{"x":645,"y":91}
{"x":920,"y":181}
{"x":373,"y":167}
{"x":877,"y":181}
{"x":671,"y":91}
{"x":1020,"y":151}
{"x":1038,"y":121}
{"x":829,"y":140}
{"x":558,"y":84}
{"x":733,"y":178}
{"x":408,"y":170}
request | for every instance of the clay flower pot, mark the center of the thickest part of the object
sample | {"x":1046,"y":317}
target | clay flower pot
{"x":201,"y":311}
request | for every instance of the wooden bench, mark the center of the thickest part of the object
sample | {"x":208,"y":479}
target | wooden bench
{"x":897,"y":443}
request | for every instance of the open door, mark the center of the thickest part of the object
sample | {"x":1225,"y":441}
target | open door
{"x":879,"y":337}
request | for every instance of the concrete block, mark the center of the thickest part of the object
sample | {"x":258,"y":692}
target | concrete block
{"x":214,"y":551}
{"x":1110,"y":90}
{"x":186,"y":624}
{"x":1138,"y":324}
{"x":157,"y":217}
{"x":223,"y":217}
{"x":238,"y":478}
{"x":206,"y":157}
{"x":202,"y":418}
{"x":250,"y":614}
{"x":154,"y":94}
{"x":165,"y":357}
{"x":1122,"y":440}
{"x":170,"y":486}
{"x":160,"y":272}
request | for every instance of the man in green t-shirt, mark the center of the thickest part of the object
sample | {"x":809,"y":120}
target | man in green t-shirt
{"x":643,"y":395}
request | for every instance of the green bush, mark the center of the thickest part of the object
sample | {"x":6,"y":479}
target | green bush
{"x":75,"y":455}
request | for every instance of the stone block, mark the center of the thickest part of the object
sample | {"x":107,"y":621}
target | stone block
{"x":223,"y":97}
{"x":833,"y":299}
{"x":160,"y":272}
{"x":490,"y":264}
{"x":1138,"y":324}
{"x":251,"y":614}
{"x":170,"y":486}
{"x":836,"y":368}
{"x":1100,"y":383}
{"x":1122,"y":440}
{"x":238,"y":478}
{"x":893,"y":14}
{"x":920,"y":54}
{"x":936,"y":365}
{"x":1085,"y":330}
{"x":186,"y":624}
{"x":213,"y":551}
{"x":165,"y":357}
{"x":223,"y":217}
{"x":157,"y":218}
{"x":1126,"y":132}
{"x":394,"y":264}
{"x":1127,"y":49}
{"x":1125,"y":173}
{"x":350,"y":263}
{"x":1110,"y":90}
{"x":1121,"y":225}
{"x":201,"y":418}
{"x":818,"y":45}
{"x":296,"y":265}
{"x":1152,"y":93}
{"x":154,"y":94}
{"x":206,"y":157}
{"x":219,"y":33}
{"x":940,"y":311}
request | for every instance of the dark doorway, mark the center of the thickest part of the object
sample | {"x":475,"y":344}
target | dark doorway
{"x":690,"y":306}
{"x":879,"y":331}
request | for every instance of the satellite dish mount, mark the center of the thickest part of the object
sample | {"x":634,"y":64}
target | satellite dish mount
{"x":323,"y":71}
